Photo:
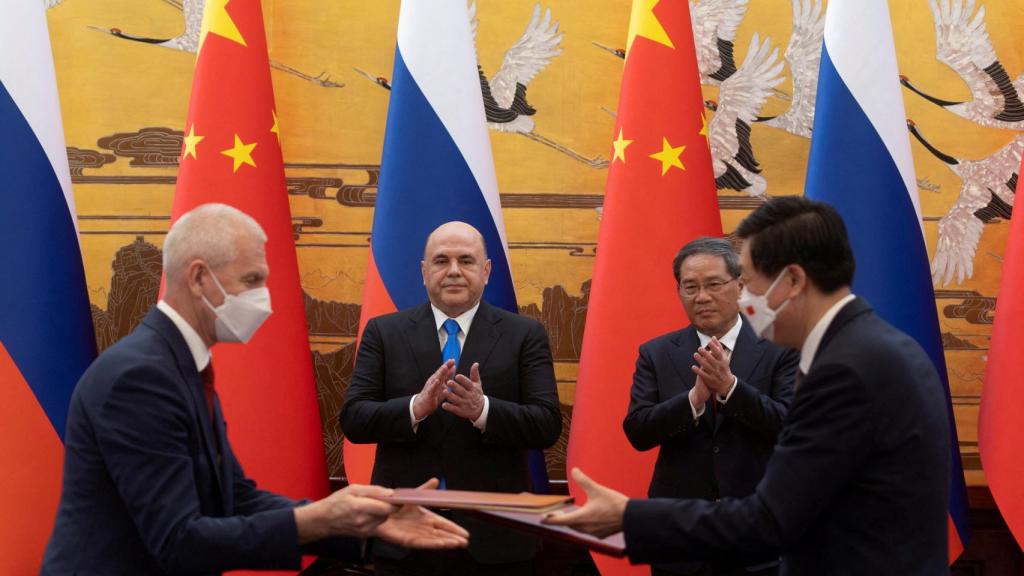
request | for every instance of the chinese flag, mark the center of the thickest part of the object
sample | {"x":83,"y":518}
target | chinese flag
{"x":660,"y":195}
{"x":232,"y":154}
{"x":1000,"y":427}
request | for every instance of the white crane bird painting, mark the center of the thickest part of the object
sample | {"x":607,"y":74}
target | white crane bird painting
{"x":188,"y":40}
{"x":988,"y":184}
{"x":741,"y":97}
{"x":986,"y":194}
{"x":714,"y":29}
{"x":962,"y":44}
{"x":504,"y":94}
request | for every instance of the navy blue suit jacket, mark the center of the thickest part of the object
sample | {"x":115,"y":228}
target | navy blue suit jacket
{"x":146,"y":489}
{"x":858,"y":482}
{"x":725,"y":452}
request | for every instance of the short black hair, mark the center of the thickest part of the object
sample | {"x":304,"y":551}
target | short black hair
{"x":712,"y":247}
{"x":794,"y":230}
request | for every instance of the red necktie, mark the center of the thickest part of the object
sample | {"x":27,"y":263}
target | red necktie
{"x":207,"y":378}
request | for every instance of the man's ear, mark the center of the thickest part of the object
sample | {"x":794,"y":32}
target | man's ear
{"x":798,"y":279}
{"x":194,"y":276}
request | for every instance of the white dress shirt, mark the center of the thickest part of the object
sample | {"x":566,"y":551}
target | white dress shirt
{"x":200,"y":353}
{"x":813,"y":340}
{"x":464,"y":320}
{"x":729,"y":341}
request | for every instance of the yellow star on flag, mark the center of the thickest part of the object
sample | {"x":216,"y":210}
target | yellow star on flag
{"x":704,"y":127}
{"x":276,"y":129}
{"x":620,"y":145}
{"x":643,"y":22}
{"x":241,"y":153}
{"x":191,"y":141}
{"x":216,"y":20}
{"x":669,"y":156}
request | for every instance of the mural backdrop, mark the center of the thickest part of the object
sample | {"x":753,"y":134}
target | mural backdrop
{"x":124,"y":69}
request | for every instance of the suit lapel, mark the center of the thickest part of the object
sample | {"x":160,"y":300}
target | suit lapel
{"x":747,"y":353}
{"x":745,"y":356}
{"x":222,"y":462}
{"x":421,"y":334}
{"x":159,"y":321}
{"x":684,"y":346}
{"x":851,"y":310}
{"x":195,"y":385}
{"x":483,"y":335}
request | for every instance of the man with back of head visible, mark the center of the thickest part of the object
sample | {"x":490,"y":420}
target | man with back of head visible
{"x":859,"y":479}
{"x":712,"y":396}
{"x":459,"y":390}
{"x":151,"y":485}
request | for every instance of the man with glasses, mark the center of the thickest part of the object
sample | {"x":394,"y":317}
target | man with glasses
{"x":858,"y":482}
{"x":712,"y":395}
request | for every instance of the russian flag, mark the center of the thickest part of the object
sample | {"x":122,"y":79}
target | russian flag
{"x":46,"y":334}
{"x":860,"y":162}
{"x":436,"y":167}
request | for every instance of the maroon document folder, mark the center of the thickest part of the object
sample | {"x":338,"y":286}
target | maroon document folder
{"x":468,"y":500}
{"x":614,"y":545}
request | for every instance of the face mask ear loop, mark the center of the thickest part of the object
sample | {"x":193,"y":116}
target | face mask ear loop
{"x":219,"y":287}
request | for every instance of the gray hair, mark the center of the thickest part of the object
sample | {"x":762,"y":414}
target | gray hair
{"x":208,"y":232}
{"x":711,"y":247}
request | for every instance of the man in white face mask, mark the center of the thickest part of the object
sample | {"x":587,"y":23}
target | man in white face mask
{"x":858,"y":482}
{"x":151,"y":484}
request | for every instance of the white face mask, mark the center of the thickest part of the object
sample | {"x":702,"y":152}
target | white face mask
{"x":760,"y":316}
{"x":240,"y":315}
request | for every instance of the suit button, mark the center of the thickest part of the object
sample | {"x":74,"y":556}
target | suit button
{"x":715,"y":449}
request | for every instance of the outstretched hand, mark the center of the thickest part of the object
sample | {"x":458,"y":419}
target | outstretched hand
{"x":355,"y":510}
{"x":602,"y":514}
{"x":416,"y":527}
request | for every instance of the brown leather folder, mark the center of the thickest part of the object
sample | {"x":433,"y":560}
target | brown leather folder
{"x":614,"y":545}
{"x":467,"y":500}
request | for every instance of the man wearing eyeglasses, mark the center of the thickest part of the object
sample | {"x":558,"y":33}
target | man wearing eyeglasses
{"x":713,"y":396}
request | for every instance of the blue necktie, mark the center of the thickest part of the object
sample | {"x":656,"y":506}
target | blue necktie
{"x":451,"y":346}
{"x":451,"y":352}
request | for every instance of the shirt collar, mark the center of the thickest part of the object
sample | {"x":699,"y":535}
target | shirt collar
{"x":200,"y":353}
{"x":463,"y":320}
{"x":810,"y":347}
{"x":728,"y":339}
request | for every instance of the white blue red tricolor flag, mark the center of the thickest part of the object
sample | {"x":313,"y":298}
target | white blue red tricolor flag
{"x":46,"y":335}
{"x":436,"y":167}
{"x":860,"y":162}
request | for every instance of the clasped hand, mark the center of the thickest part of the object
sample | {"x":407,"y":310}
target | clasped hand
{"x":713,"y":367}
{"x":455,"y":393}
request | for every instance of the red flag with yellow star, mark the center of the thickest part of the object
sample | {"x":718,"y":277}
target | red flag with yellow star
{"x":232,"y":154}
{"x":660,"y":195}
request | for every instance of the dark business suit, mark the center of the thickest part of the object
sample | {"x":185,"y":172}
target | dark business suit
{"x":858,"y":483}
{"x":397,"y":354}
{"x":150,"y":487}
{"x":724,"y":453}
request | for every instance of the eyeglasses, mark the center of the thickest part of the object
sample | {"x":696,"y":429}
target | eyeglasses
{"x":712,"y":287}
